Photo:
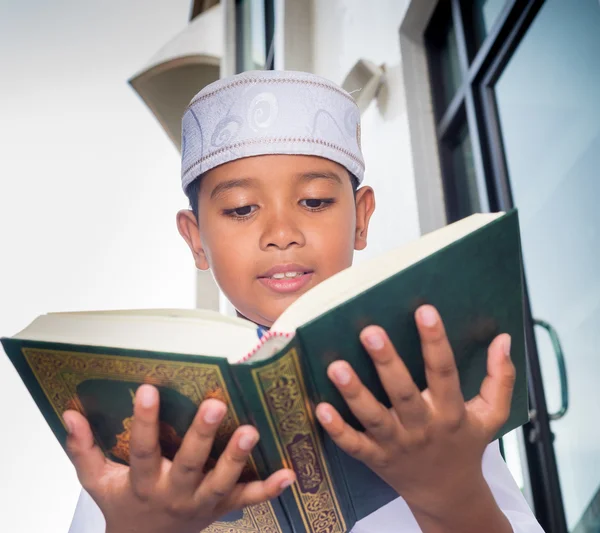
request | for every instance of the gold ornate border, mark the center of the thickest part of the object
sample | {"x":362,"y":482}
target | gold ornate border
{"x":256,"y":519}
{"x":59,"y":372}
{"x":285,"y":402}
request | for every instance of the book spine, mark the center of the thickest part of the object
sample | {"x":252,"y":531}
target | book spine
{"x":333,"y":454}
{"x":291,"y":438}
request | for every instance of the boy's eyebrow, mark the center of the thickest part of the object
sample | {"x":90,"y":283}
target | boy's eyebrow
{"x":325,"y":175}
{"x":231,"y":184}
{"x":250,"y":182}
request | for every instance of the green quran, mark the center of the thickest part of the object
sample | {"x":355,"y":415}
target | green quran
{"x":94,"y":361}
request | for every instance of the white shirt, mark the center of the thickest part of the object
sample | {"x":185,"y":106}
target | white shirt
{"x":395,"y":517}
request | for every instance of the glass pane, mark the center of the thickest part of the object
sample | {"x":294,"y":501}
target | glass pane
{"x":464,"y":196}
{"x":549,"y":110}
{"x":449,"y":64}
{"x":483,"y":15}
{"x":250,"y":16}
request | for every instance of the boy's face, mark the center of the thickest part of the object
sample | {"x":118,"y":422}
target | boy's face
{"x":271,"y":227}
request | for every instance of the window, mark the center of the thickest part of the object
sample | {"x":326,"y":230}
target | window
{"x":488,"y":103}
{"x":255,"y":28}
{"x":461,"y":41}
{"x":480,"y":18}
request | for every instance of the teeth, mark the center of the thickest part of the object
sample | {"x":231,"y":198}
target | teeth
{"x":281,"y":275}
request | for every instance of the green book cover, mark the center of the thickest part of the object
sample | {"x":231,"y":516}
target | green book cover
{"x":476,"y":285}
{"x":93,"y":362}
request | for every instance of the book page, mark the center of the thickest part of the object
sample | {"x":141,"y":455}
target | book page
{"x":202,"y":314}
{"x":193,"y":332}
{"x":357,"y":279}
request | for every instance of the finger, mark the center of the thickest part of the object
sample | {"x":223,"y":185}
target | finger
{"x":144,"y":448}
{"x":220,"y":481}
{"x":492,"y":404}
{"x":245,"y":494}
{"x":440,"y":367}
{"x":404,"y":395}
{"x":188,"y":465}
{"x":372,"y":414}
{"x":86,"y":456}
{"x":354,"y":443}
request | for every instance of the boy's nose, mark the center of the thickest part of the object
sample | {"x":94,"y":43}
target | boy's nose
{"x":281,"y":233}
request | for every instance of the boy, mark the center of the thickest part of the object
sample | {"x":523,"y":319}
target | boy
{"x":271,"y":162}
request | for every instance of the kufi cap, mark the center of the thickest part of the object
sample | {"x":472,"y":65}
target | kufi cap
{"x":270,"y":112}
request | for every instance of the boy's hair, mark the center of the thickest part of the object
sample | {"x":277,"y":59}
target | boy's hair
{"x":193,"y":189}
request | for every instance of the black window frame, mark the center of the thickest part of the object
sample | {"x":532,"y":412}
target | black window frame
{"x":474,"y":98}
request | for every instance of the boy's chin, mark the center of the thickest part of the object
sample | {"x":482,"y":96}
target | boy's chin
{"x":266,"y":315}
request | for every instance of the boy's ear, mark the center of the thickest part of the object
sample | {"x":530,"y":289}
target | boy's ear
{"x":188,"y":229}
{"x":365,"y":205}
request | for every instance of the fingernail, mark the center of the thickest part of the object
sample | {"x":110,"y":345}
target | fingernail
{"x":214,"y":412}
{"x":428,"y":316}
{"x":374,"y":341}
{"x":247,"y":441}
{"x":285,"y":484}
{"x":146,"y":396}
{"x":341,"y":375}
{"x":69,"y":424}
{"x":324,"y":416}
{"x":507,"y":343}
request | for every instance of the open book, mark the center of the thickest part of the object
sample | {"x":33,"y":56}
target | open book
{"x":212,"y":334}
{"x":93,"y":361}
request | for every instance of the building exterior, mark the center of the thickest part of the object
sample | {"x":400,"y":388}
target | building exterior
{"x":482,"y":105}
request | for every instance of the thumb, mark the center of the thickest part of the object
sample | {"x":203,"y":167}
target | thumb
{"x":492,"y":404}
{"x":88,"y":459}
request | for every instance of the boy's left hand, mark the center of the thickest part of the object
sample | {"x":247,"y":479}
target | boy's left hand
{"x":429,"y":445}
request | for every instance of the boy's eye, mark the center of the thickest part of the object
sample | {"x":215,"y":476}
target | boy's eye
{"x":241,"y":212}
{"x":316,"y":203}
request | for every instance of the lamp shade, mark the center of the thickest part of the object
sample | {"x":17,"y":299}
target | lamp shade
{"x":363,"y":82}
{"x":180,"y":69}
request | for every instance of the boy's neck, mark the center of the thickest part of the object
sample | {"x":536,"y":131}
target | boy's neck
{"x":239,"y":315}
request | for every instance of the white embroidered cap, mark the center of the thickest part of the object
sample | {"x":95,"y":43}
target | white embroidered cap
{"x":270,"y":112}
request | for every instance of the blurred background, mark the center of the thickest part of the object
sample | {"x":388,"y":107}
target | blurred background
{"x":467,"y":106}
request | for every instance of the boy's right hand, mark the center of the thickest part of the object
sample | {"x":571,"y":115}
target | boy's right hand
{"x":155,"y":495}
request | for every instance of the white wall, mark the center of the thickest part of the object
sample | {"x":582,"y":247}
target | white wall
{"x":89,"y":188}
{"x":343,"y":32}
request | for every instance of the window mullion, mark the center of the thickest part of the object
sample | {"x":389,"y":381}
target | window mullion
{"x":270,"y":34}
{"x":463,"y":54}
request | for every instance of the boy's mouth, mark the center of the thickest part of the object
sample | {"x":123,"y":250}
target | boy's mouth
{"x":286,"y":278}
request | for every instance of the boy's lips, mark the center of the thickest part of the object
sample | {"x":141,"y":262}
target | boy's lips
{"x":286,"y":278}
